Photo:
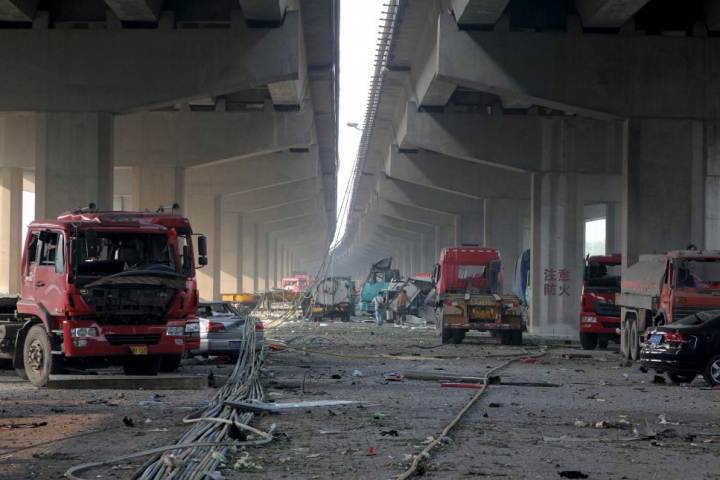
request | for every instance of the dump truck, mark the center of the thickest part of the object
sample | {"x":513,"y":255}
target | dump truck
{"x":381,"y":274}
{"x":599,"y":315}
{"x":661,"y":289}
{"x":102,"y":288}
{"x":468,"y":281}
{"x":333,"y":297}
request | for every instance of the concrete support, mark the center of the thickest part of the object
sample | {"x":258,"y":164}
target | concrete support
{"x":17,"y":10}
{"x":557,"y":252}
{"x":156,"y":186}
{"x":469,"y":228}
{"x":264,"y":12}
{"x":73,"y":161}
{"x":478,"y":12}
{"x":273,"y":267}
{"x":444,"y":237}
{"x":712,"y":185}
{"x":663,"y":187}
{"x":205,"y":216}
{"x":613,"y":228}
{"x":11,"y":191}
{"x":263,"y":256}
{"x":136,"y":10}
{"x":231,"y":231}
{"x":503,"y":230}
{"x":607,"y":13}
{"x":249,"y":257}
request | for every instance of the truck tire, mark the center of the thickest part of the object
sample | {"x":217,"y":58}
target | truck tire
{"x":603,"y":342}
{"x":458,"y":336}
{"x":170,"y":363}
{"x":40,"y":363}
{"x":144,"y":365}
{"x":625,"y":340}
{"x":634,"y":341}
{"x":711,"y":374}
{"x":505,"y":337}
{"x":516,"y":337}
{"x":589,"y":341}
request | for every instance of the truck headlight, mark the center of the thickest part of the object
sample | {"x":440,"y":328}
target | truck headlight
{"x":192,"y":327}
{"x":84,"y":332}
{"x":588,"y":319}
{"x":175,"y":331}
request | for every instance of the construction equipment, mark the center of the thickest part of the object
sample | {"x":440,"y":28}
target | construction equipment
{"x":381,"y":274}
{"x":469,"y":280}
{"x":102,"y":287}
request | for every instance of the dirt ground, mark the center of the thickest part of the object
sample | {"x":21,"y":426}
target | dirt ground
{"x":513,"y":432}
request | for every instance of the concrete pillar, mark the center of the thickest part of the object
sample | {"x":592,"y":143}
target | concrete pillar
{"x":444,"y":237}
{"x":73,"y":162}
{"x":503,"y":230}
{"x":249,"y":257}
{"x":263,"y":256}
{"x":557,"y":249}
{"x":205,"y":216}
{"x":231,"y":247}
{"x":469,"y":228}
{"x":273,"y":266}
{"x":11,"y":193}
{"x":613,"y":228}
{"x":663,"y":187}
{"x":156,"y":186}
{"x":712,"y":186}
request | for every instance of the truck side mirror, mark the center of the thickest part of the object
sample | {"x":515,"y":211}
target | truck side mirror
{"x":202,"y":250}
{"x":436,"y":273}
{"x":494,"y":277}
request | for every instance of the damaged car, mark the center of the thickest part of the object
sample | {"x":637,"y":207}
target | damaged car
{"x":685,"y":349}
{"x":222,"y":330}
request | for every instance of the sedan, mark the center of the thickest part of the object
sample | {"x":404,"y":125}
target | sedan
{"x":222,"y":330}
{"x":685,"y":349}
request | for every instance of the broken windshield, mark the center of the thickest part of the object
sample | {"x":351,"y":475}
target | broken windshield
{"x":699,"y":274}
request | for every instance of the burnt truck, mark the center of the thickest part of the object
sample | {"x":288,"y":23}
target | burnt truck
{"x":468,"y":282}
{"x":661,"y":289}
{"x":102,"y":288}
{"x":599,"y":315}
{"x":333,"y":297}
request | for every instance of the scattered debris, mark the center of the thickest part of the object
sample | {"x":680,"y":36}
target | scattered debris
{"x":10,"y":426}
{"x":658,"y":379}
{"x":394,"y":376}
{"x":663,"y":421}
{"x":357,"y":373}
{"x":211,"y":380}
{"x":495,"y":405}
{"x":128,"y":422}
{"x":370,"y":452}
{"x":392,"y":433}
{"x":261,"y":407}
{"x":529,"y":360}
{"x":379,"y":415}
{"x":335,"y":377}
{"x":573,"y":356}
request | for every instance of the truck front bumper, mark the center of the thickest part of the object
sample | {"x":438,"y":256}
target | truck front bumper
{"x":590,"y":322}
{"x":123,"y":340}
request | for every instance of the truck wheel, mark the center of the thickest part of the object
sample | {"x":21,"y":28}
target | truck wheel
{"x":589,"y":341}
{"x":624,"y":350}
{"x":446,"y":335}
{"x":603,"y":343}
{"x":40,"y":363}
{"x":145,"y":365}
{"x":458,"y":336}
{"x":170,"y":363}
{"x":505,"y":338}
{"x":515,"y":337}
{"x":680,"y":377}
{"x":634,"y":344}
{"x":711,"y":374}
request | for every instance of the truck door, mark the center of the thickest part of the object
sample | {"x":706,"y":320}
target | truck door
{"x":28,"y":268}
{"x":49,"y":281}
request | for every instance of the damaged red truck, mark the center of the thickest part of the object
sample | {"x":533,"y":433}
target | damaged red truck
{"x":102,"y":288}
{"x":599,"y":315}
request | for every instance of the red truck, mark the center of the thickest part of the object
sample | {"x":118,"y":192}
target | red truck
{"x":661,"y":289}
{"x":102,"y":288}
{"x":298,"y":284}
{"x":469,"y":280}
{"x":599,"y":316}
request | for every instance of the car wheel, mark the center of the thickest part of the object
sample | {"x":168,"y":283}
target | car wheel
{"x":711,"y":374}
{"x":589,"y":341}
{"x":678,"y":377}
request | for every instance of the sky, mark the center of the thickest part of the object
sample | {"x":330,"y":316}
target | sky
{"x":359,"y":27}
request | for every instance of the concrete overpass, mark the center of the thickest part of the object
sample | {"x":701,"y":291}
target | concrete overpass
{"x":508,"y":123}
{"x":228,"y":108}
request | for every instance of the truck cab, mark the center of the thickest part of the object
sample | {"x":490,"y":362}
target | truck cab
{"x":599,"y":315}
{"x":380,"y":276}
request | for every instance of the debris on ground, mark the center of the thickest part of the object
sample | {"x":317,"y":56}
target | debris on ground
{"x":572,"y":474}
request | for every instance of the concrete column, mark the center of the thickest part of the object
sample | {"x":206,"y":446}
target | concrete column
{"x":613,"y":228}
{"x":11,"y":192}
{"x":712,"y":186}
{"x":263,"y":260}
{"x":249,"y":257}
{"x":556,"y":260}
{"x":231,"y":247}
{"x":444,"y":237}
{"x":273,"y":266}
{"x":205,"y":216}
{"x":156,"y":186}
{"x":663,"y":187}
{"x":73,"y":162}
{"x":469,"y":229}
{"x":503,"y":230}
{"x":408,"y":269}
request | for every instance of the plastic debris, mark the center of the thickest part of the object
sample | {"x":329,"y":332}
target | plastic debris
{"x":529,"y":360}
{"x":370,"y":452}
{"x":379,"y":415}
{"x":394,"y":376}
{"x":172,"y":462}
{"x":392,"y":433}
{"x":663,"y":421}
{"x":581,"y":424}
{"x":357,"y":373}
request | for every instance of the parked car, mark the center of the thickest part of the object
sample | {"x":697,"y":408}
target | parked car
{"x":222,"y":330}
{"x":686,"y":348}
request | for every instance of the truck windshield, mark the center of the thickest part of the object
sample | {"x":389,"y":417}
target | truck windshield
{"x":605,"y":277}
{"x":117,"y":252}
{"x":471,"y":271}
{"x":699,"y":274}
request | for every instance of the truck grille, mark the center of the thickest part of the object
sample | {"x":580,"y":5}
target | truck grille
{"x":606,"y":309}
{"x":683,"y":311}
{"x":116,"y":340}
